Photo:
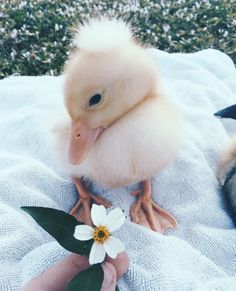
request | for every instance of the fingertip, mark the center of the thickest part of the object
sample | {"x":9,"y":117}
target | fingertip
{"x":121,"y":263}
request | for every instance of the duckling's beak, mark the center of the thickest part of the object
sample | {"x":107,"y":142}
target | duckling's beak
{"x":81,"y":141}
{"x":229,"y":112}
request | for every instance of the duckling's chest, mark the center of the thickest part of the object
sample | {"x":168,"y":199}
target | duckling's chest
{"x":133,"y":150}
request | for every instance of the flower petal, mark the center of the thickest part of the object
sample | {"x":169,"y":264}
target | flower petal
{"x":113,"y":246}
{"x":114,"y":219}
{"x":98,"y":214}
{"x":97,"y":253}
{"x":83,"y":232}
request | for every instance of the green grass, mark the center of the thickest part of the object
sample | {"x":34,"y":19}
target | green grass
{"x":35,"y":36}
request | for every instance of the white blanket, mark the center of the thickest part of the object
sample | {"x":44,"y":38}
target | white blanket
{"x":199,"y":255}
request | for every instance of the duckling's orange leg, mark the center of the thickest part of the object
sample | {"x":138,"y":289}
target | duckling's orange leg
{"x":146,"y":212}
{"x":82,"y":209}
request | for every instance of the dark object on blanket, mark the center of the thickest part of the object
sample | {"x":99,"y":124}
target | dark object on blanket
{"x":229,"y":112}
{"x":227,"y":164}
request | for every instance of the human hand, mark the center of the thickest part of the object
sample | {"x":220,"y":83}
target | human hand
{"x":58,"y":277}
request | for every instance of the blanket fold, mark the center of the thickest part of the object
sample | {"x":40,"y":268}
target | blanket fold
{"x":199,"y":255}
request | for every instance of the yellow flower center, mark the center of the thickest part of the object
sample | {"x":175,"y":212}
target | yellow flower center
{"x":101,"y":234}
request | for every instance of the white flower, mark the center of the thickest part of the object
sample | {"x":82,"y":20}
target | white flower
{"x":166,"y":27}
{"x":14,"y":33}
{"x":101,"y":234}
{"x":22,"y":4}
{"x":225,"y":34}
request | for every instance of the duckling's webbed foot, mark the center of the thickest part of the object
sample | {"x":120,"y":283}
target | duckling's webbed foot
{"x":82,"y":209}
{"x":146,"y":212}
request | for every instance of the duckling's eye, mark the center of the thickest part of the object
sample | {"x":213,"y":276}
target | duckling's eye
{"x":94,"y":100}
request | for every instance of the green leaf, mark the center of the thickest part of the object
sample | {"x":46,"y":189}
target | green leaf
{"x":88,"y":280}
{"x":117,"y":288}
{"x":61,"y":226}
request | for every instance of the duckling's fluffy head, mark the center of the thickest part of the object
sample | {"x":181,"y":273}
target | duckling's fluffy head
{"x":102,"y":35}
{"x":108,"y":74}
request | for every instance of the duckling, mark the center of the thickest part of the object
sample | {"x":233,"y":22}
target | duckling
{"x":122,"y":128}
{"x":227,"y":164}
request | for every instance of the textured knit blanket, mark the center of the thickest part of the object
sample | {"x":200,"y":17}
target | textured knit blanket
{"x":199,"y":255}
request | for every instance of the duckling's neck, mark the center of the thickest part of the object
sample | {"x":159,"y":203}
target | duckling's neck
{"x":153,"y":96}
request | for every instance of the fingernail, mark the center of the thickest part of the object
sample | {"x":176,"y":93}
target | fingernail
{"x":121,"y":263}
